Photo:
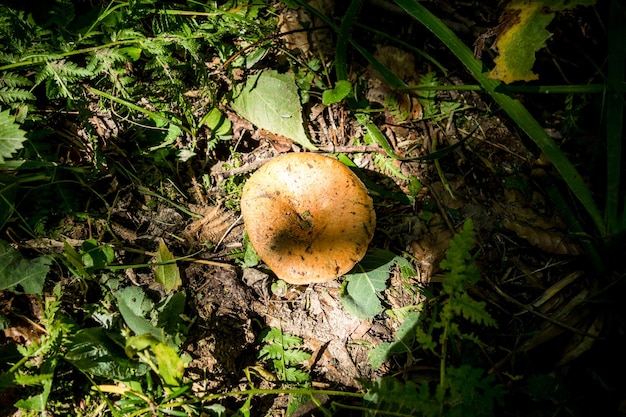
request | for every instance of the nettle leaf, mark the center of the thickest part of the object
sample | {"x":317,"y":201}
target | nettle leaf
{"x":525,"y":35}
{"x":271,"y":101}
{"x":361,"y":295}
{"x":11,"y":136}
{"x":17,"y":272}
{"x":167,"y":272}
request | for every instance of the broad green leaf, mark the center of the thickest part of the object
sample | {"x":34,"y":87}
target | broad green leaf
{"x":167,"y":272}
{"x":96,"y":255}
{"x":92,"y":351}
{"x":171,"y":366}
{"x":338,"y":93}
{"x":170,"y":312}
{"x":527,"y":34}
{"x":28,"y":274}
{"x":218,"y":123}
{"x":11,"y":136}
{"x":134,"y":321}
{"x":271,"y":101}
{"x":365,"y":283}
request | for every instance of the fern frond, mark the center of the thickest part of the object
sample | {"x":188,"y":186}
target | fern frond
{"x":10,"y":95}
{"x":295,"y":356}
{"x":472,"y":310}
{"x":11,"y":79}
{"x":59,"y":77}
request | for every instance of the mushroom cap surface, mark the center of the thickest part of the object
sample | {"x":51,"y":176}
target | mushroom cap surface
{"x":308,"y":216}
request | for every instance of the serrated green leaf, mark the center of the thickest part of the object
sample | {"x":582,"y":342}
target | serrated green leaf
{"x":15,"y":271}
{"x":296,"y":375}
{"x":167,"y":273}
{"x":11,"y":136}
{"x":366,"y":282}
{"x":271,"y":101}
{"x":519,"y":42}
{"x":295,"y":356}
{"x":271,"y":351}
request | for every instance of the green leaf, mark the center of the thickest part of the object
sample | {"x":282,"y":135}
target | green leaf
{"x":338,"y":93}
{"x":11,"y":136}
{"x":217,"y":122}
{"x":17,"y":271}
{"x":167,"y":272}
{"x":95,"y":255}
{"x":171,"y":367}
{"x":170,"y":312}
{"x":271,"y":101}
{"x":129,"y":304}
{"x":403,"y":342}
{"x":519,"y":42}
{"x":92,"y":351}
{"x":365,"y":283}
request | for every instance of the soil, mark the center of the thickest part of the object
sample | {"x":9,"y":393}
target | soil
{"x":531,"y":268}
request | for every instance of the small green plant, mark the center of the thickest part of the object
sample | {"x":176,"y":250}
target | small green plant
{"x":285,"y":354}
{"x":461,"y":390}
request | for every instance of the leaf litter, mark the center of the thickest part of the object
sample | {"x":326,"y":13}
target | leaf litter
{"x":231,"y":312}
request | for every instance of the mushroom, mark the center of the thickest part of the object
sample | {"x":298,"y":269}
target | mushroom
{"x":308,"y":216}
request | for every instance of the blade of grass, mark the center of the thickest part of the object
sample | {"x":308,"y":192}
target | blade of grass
{"x":343,"y":37}
{"x":515,"y":110}
{"x":614,"y":116}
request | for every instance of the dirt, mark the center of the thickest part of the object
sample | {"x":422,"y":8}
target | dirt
{"x":494,"y":179}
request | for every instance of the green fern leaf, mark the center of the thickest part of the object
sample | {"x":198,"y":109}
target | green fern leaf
{"x":296,"y":356}
{"x":11,"y":79}
{"x":472,"y":310}
{"x":11,"y":136}
{"x":296,"y":375}
{"x":271,"y":351}
{"x":10,"y":95}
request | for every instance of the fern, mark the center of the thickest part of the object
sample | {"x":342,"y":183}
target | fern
{"x":285,"y":353}
{"x":462,"y":391}
{"x":11,"y":136}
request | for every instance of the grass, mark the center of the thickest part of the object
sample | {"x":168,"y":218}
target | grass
{"x":126,"y":106}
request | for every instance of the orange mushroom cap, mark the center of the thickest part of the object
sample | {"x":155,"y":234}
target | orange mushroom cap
{"x":308,"y":216}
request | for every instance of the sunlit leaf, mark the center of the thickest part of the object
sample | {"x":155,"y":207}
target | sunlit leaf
{"x":271,"y":101}
{"x":167,"y":272}
{"x":524,"y":34}
{"x":366,"y":282}
{"x":338,"y":93}
{"x":170,"y":365}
